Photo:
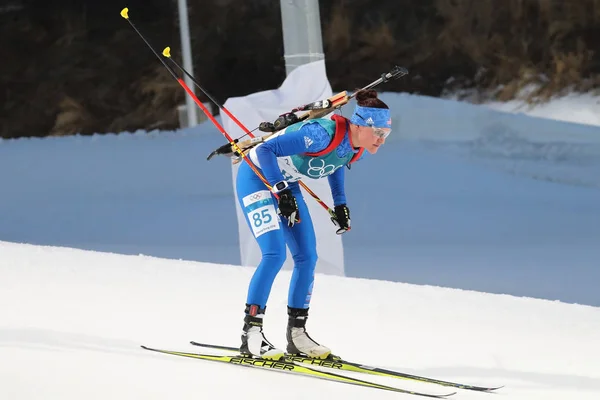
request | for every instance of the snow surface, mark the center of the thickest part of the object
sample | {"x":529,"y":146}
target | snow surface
{"x":581,"y":108}
{"x":72,"y":322}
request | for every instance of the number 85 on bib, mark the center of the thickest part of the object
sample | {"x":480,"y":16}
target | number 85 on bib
{"x":260,"y":209}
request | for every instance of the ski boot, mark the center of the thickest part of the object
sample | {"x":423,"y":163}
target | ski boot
{"x":254,"y":343}
{"x":298,"y":340}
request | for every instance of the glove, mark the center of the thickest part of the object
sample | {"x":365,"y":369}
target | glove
{"x":288,"y":207}
{"x":341,"y":219}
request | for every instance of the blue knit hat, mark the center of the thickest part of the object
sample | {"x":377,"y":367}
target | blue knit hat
{"x":371,"y":117}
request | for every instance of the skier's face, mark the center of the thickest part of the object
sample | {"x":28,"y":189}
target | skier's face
{"x":372,"y":138}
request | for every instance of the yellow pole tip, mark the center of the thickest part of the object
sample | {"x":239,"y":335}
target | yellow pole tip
{"x":167,"y":52}
{"x":125,"y":13}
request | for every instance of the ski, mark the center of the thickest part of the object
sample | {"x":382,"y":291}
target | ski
{"x":293,"y":368}
{"x":340,"y":364}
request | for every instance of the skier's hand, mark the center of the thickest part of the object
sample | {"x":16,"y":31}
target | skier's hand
{"x":288,"y":207}
{"x":341,"y":219}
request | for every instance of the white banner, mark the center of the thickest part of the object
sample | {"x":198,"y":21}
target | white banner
{"x":304,"y":84}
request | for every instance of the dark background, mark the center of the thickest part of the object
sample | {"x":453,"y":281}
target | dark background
{"x":78,"y":67}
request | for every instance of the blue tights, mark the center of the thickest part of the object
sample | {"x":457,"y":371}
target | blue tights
{"x":259,"y":207}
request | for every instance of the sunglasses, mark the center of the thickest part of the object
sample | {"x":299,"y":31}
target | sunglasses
{"x":381,"y":133}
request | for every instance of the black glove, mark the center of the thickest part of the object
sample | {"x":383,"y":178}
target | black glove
{"x":341,"y":219}
{"x":288,"y":207}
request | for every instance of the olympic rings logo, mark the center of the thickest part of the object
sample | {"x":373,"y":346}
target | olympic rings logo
{"x":319,"y":171}
{"x":255,"y":196}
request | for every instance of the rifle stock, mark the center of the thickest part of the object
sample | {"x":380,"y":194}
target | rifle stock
{"x":337,"y":101}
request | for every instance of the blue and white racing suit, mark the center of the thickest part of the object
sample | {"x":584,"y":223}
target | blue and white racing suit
{"x":296,"y":153}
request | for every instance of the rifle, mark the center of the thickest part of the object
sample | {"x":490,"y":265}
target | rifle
{"x":317,"y":109}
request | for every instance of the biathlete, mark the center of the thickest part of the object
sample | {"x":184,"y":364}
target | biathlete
{"x":315,"y":149}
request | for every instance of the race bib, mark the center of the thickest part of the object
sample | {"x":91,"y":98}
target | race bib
{"x":260,"y":210}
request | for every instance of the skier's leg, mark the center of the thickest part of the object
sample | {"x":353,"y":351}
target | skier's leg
{"x":258,"y":206}
{"x":302,"y":242}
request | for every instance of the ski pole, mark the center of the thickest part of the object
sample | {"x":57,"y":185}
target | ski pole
{"x":125,"y":14}
{"x":167,"y":54}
